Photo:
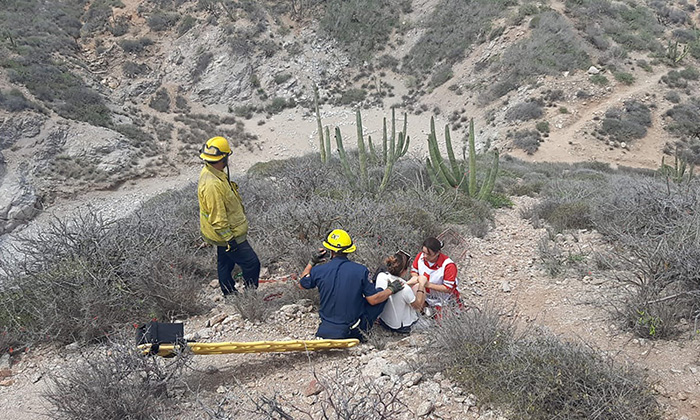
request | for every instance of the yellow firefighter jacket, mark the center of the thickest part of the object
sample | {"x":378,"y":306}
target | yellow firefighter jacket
{"x":221,"y":212}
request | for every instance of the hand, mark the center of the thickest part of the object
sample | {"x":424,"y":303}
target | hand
{"x":319,"y":257}
{"x":232,"y":245}
{"x":395,"y":286}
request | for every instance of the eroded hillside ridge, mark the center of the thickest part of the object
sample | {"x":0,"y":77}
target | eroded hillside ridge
{"x":96,"y":93}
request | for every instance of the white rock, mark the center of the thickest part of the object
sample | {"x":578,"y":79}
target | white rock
{"x":425,"y":408}
{"x":375,"y":367}
{"x":593,"y":70}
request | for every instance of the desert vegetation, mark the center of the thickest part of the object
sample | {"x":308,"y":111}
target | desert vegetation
{"x":649,"y":218}
{"x":85,"y":280}
{"x":154,"y":268}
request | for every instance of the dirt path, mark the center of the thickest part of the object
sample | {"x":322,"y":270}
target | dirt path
{"x":573,"y":142}
{"x":576,"y":306}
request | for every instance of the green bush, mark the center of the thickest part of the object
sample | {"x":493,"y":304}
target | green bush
{"x":624,"y":78}
{"x":672,"y":96}
{"x":185,"y":24}
{"x":452,"y":27}
{"x":361,"y":26}
{"x":633,"y":26}
{"x":441,"y":75}
{"x":645,"y":65}
{"x":278,"y":105}
{"x":14,"y":101}
{"x":527,"y":140}
{"x":69,"y":286}
{"x":685,"y":119}
{"x":281,"y":78}
{"x":542,"y":127}
{"x":627,"y":123}
{"x":674,"y":79}
{"x":162,"y":21}
{"x":353,"y":96}
{"x":137,"y":137}
{"x":524,"y":111}
{"x":551,"y":48}
{"x":62,"y":91}
{"x":132,"y":69}
{"x":119,"y":26}
{"x":135,"y":46}
{"x":115,"y":381}
{"x":599,"y":79}
{"x":690,"y":73}
{"x":160,"y":101}
{"x":203,"y":61}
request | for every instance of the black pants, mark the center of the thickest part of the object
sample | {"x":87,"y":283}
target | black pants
{"x":246,"y":258}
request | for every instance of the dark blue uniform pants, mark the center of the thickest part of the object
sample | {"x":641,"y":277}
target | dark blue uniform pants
{"x":246,"y":258}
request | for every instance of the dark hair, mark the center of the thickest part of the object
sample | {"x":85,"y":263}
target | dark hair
{"x":433,"y":244}
{"x":397,"y":263}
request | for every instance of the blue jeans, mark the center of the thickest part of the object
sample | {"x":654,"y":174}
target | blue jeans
{"x":246,"y":258}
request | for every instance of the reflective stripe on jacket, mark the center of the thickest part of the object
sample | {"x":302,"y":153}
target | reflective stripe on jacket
{"x":221,"y":212}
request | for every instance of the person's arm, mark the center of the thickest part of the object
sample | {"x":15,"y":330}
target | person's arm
{"x":437,"y":287}
{"x":373,"y":295}
{"x":414,"y":266}
{"x":378,"y":298}
{"x":419,"y":302}
{"x":306,"y":274}
{"x":307,"y":270}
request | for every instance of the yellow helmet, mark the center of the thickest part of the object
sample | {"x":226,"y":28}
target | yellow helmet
{"x":338,"y":240}
{"x":215,"y":149}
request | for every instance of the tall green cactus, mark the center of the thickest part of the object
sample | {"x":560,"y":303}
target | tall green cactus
{"x":397,"y":146}
{"x":349,"y":174}
{"x":321,"y":144}
{"x":364,"y":179}
{"x":681,"y":171}
{"x":456,"y":174}
{"x":394,"y":147}
{"x":674,"y":54}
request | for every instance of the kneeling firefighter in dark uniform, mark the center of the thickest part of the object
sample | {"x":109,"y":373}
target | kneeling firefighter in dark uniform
{"x":349,"y":301}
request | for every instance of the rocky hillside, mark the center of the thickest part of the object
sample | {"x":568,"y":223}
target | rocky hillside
{"x":96,"y":93}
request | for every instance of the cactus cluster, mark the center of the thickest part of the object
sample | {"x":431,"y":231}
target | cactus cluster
{"x":675,"y":54}
{"x":394,"y":146}
{"x":456,"y":174}
{"x":681,"y":171}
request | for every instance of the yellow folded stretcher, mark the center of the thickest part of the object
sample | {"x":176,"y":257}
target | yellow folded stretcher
{"x":249,"y":347}
{"x":166,"y":339}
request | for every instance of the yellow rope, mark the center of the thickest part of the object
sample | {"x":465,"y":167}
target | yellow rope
{"x":255,"y":346}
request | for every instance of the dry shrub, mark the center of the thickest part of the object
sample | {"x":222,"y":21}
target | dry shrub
{"x":293,"y":204}
{"x":539,"y":376}
{"x":345,"y":395}
{"x":81,"y":279}
{"x":114,"y":382}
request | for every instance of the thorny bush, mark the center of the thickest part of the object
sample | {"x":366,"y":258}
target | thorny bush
{"x":536,"y":375}
{"x":115,"y":381}
{"x":81,"y":279}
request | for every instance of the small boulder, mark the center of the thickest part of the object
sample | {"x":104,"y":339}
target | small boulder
{"x":313,"y":388}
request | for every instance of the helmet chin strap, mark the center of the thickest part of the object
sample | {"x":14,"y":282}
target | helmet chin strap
{"x":228,"y":172}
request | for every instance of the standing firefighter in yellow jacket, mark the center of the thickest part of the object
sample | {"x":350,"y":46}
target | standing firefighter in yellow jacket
{"x":222,"y":217}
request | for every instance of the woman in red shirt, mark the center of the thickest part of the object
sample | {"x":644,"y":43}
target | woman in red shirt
{"x":441,"y":272}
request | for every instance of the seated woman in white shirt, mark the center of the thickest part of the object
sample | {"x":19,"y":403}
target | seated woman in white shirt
{"x":400,"y":310}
